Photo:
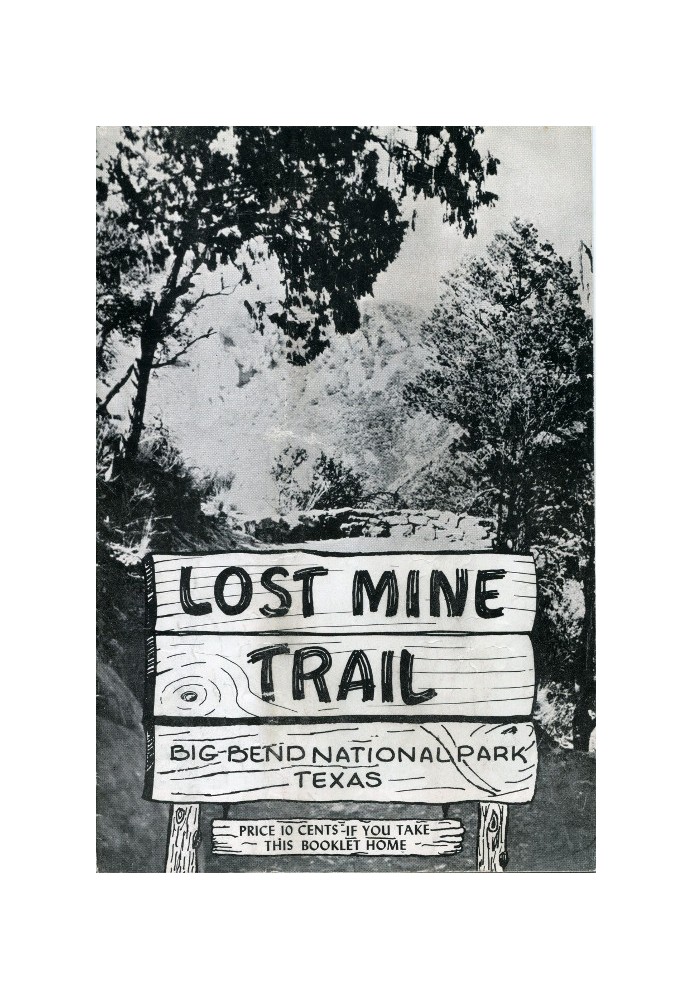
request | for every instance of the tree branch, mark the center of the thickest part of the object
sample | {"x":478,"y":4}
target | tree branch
{"x":172,"y":360}
{"x":102,"y":408}
{"x":189,"y":308}
{"x":390,"y":146}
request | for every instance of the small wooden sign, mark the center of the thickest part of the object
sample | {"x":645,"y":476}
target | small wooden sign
{"x":344,"y":762}
{"x":306,"y":837}
{"x":311,"y":592}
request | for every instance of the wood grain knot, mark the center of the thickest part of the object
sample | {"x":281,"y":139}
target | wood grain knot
{"x":503,"y":859}
{"x":180,"y":814}
{"x":193,"y":693}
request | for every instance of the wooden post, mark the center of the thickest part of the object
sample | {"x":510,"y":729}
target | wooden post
{"x":492,"y":854}
{"x":183,"y":838}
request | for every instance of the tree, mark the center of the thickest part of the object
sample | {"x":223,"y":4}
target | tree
{"x":324,"y":204}
{"x":284,"y":472}
{"x":334,"y":484}
{"x":511,"y":368}
{"x":326,"y":484}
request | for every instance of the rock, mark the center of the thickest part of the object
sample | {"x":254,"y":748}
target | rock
{"x":114,"y":699}
{"x":421,"y":525}
{"x":131,"y":834}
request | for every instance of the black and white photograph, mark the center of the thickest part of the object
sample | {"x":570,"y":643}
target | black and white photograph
{"x":345,"y":521}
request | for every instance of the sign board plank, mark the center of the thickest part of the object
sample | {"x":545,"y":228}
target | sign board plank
{"x":237,"y":676}
{"x":314,"y":593}
{"x":353,"y":762}
{"x":306,"y":837}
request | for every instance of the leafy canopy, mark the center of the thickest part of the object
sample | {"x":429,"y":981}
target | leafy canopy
{"x":511,"y":350}
{"x":325,"y":204}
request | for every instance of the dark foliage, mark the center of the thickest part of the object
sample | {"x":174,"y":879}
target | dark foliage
{"x":330,"y":482}
{"x":325,"y":204}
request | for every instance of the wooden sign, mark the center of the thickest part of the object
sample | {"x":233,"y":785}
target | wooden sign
{"x":343,"y":762}
{"x":337,"y":837}
{"x":307,"y":592}
{"x":245,"y":676}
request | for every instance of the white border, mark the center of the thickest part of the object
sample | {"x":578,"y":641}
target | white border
{"x":617,"y":931}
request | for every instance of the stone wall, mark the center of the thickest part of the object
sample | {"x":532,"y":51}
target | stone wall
{"x":416,"y":526}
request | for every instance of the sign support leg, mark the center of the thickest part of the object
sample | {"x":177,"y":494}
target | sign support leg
{"x":492,"y":852}
{"x":183,"y":838}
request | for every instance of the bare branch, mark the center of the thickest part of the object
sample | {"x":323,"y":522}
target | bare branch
{"x":102,"y":408}
{"x":190,"y":307}
{"x":172,"y":360}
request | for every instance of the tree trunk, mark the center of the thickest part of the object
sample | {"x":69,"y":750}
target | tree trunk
{"x":585,"y":680}
{"x":143,"y":372}
{"x":499,"y":521}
